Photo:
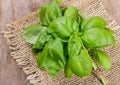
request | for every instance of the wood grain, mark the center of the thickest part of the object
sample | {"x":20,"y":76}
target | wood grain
{"x":11,"y":10}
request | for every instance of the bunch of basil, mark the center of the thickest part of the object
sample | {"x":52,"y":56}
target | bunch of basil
{"x":65,"y":39}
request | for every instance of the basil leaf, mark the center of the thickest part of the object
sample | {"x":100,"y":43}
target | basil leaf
{"x":40,"y":58}
{"x":42,"y":14}
{"x":31,"y":33}
{"x":68,"y":72}
{"x":71,"y":12}
{"x":103,"y":59}
{"x":56,"y":50}
{"x":95,"y":21}
{"x":43,"y":38}
{"x":81,"y":64}
{"x":53,"y":11}
{"x":81,"y":18}
{"x":63,"y":27}
{"x":52,"y":57}
{"x":74,"y":45}
{"x":58,"y":1}
{"x":49,"y":12}
{"x":98,"y":38}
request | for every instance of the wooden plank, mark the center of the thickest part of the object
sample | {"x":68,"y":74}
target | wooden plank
{"x":11,"y":10}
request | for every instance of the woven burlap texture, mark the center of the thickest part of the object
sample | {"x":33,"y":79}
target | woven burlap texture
{"x":21,"y":50}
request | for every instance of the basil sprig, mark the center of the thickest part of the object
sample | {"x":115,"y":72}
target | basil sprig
{"x":66,"y":39}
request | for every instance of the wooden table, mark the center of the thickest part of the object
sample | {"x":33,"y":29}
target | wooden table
{"x":11,"y":10}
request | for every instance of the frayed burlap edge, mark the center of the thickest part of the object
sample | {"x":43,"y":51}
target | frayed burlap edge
{"x":21,"y":50}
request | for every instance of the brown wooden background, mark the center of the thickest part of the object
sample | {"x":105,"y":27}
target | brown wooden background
{"x":11,"y":10}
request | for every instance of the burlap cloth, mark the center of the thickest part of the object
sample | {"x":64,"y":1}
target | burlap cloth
{"x":21,"y":50}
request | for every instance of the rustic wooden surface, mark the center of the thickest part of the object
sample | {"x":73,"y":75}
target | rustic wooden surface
{"x":11,"y":10}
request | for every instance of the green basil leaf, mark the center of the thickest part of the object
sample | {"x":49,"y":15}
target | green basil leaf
{"x":83,"y":16}
{"x":95,"y":21}
{"x":31,"y":33}
{"x":43,"y":38}
{"x":71,"y":12}
{"x":74,"y":45}
{"x":53,"y":11}
{"x":98,"y":38}
{"x":56,"y":50}
{"x":68,"y":72}
{"x":52,"y":57}
{"x":58,"y":1}
{"x":103,"y":59}
{"x":63,"y":27}
{"x":42,"y":14}
{"x":40,"y":58}
{"x":81,"y":64}
{"x":49,"y":12}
